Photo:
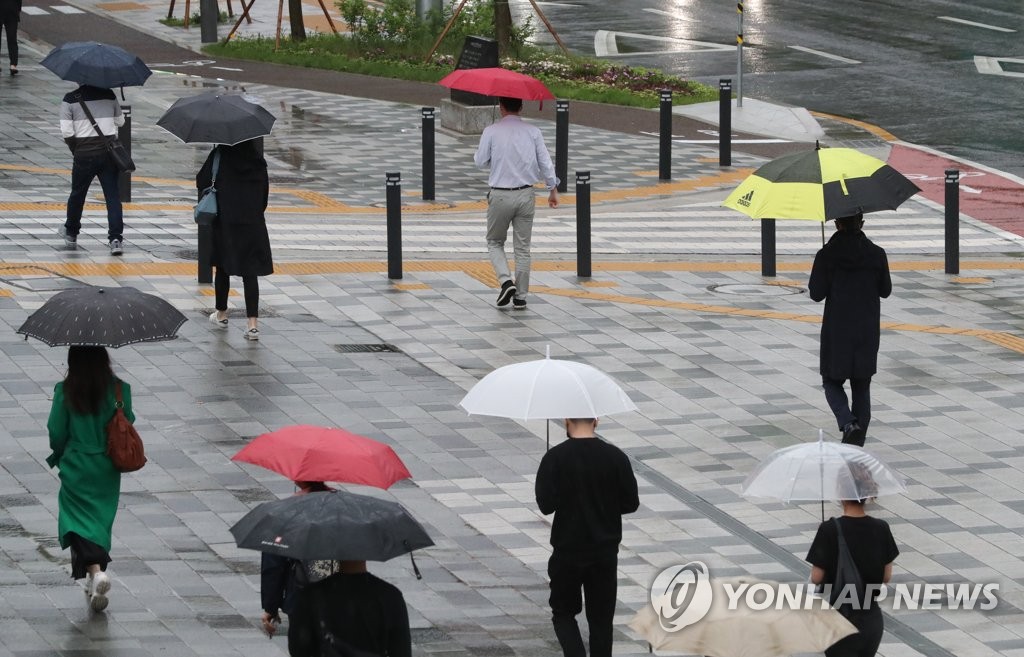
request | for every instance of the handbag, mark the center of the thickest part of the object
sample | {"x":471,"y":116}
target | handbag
{"x":124,"y":445}
{"x":847,"y":575}
{"x":206,"y":209}
{"x":117,"y":150}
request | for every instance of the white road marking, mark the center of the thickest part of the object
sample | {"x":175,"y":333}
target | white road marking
{"x":226,"y":68}
{"x":35,"y":11}
{"x":680,"y":140}
{"x":670,"y":14}
{"x":825,"y":54}
{"x":65,"y":9}
{"x":606,"y":46}
{"x":557,"y":4}
{"x":993,"y":65}
{"x":973,"y":24}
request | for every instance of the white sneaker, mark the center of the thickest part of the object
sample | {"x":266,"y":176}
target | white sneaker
{"x":219,"y":323}
{"x":70,"y":241}
{"x":252,"y":334}
{"x":115,"y":247}
{"x":99,"y":586}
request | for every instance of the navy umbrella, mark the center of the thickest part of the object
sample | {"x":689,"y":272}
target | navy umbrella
{"x":97,"y":65}
{"x":335,"y":525}
{"x":103,"y":317}
{"x":215,"y":118}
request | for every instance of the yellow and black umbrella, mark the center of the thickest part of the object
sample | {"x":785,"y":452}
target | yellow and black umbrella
{"x":820,"y":185}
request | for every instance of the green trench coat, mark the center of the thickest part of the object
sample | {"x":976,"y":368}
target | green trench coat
{"x":89,"y":484}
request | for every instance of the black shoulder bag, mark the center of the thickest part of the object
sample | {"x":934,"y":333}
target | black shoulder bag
{"x":847,"y":575}
{"x":118,"y":152}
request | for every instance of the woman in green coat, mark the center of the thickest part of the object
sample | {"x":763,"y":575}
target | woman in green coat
{"x":90,"y":486}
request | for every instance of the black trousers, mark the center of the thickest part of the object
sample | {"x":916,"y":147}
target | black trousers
{"x":865,"y":643}
{"x":855,"y":409}
{"x":9,"y":22}
{"x":251,"y":289}
{"x":85,"y":553}
{"x":596,"y":578}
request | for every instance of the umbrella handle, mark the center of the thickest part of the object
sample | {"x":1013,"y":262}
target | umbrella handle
{"x":415,"y":570}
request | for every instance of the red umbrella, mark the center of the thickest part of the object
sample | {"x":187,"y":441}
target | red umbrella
{"x":308,"y":453}
{"x":497,"y":82}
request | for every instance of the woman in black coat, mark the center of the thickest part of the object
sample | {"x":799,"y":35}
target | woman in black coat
{"x":851,"y":273}
{"x":241,"y":245}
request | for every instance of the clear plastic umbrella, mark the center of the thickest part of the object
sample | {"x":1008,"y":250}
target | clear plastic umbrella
{"x":547,"y":389}
{"x":819,"y":471}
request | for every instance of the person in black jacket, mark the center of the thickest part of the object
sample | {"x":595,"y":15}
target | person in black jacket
{"x":241,"y":244}
{"x":361,"y":615}
{"x":10,"y":16}
{"x":588,"y":484}
{"x":851,"y":273}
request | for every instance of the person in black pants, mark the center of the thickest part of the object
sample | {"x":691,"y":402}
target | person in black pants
{"x":873,"y":550}
{"x":10,"y":16}
{"x":588,"y":484}
{"x":241,"y":244}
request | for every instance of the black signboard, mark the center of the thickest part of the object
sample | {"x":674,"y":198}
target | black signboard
{"x":477,"y":52}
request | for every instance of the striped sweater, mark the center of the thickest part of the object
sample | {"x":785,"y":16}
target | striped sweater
{"x":75,"y":126}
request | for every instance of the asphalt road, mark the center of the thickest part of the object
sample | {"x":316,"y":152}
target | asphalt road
{"x":909,"y":67}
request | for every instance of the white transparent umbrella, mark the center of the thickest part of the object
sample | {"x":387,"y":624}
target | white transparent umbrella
{"x":547,"y":389}
{"x":822,"y":470}
{"x":742,"y":631}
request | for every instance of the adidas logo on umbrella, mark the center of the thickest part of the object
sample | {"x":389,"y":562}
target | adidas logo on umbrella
{"x":746,"y":199}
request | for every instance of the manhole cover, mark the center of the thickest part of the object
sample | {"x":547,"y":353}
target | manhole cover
{"x":186,"y":254}
{"x":756,"y":289}
{"x":382,"y":348}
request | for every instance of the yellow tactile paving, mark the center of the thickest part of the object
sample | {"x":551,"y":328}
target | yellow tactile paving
{"x":6,"y":293}
{"x":210,"y":292}
{"x":409,"y":287}
{"x":599,"y":284}
{"x":970,"y":280}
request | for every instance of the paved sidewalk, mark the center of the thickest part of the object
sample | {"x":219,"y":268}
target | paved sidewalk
{"x":721,"y":362}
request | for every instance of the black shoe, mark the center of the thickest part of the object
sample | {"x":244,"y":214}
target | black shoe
{"x":519,"y":304}
{"x":14,"y":70}
{"x":853,"y":434}
{"x":508,"y":290}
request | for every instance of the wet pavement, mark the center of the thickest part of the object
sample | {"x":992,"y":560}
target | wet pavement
{"x":721,"y":362}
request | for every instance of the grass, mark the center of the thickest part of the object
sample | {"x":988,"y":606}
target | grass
{"x":174,"y":21}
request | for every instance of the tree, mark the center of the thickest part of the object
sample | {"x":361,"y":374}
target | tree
{"x":502,"y":25}
{"x":298,"y":28}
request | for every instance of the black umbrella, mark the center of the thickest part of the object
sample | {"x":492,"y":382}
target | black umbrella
{"x":335,"y":525}
{"x":213,"y":118}
{"x":103,"y":317}
{"x":97,"y":65}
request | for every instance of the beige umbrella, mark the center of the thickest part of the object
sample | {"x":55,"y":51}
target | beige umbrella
{"x":742,"y":631}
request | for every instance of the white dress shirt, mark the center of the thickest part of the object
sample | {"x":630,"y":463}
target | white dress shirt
{"x":516,"y":154}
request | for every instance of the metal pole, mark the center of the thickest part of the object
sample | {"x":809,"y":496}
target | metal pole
{"x":562,"y":144}
{"x":124,"y":133}
{"x":665,"y":134}
{"x":583,"y":224}
{"x":393,"y":189}
{"x":739,"y":54}
{"x":725,"y":123}
{"x":209,"y":13}
{"x":428,"y":153}
{"x":768,"y":247}
{"x":952,"y":221}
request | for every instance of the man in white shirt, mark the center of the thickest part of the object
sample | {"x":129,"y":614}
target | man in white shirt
{"x":516,"y":154}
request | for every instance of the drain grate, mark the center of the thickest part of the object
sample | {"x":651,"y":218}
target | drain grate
{"x":382,"y":348}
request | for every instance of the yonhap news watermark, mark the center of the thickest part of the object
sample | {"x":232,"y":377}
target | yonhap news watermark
{"x":684,"y":594}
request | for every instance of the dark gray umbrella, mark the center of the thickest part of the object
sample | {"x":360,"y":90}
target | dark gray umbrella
{"x":103,"y":317}
{"x":214,"y":118}
{"x":334,"y":525}
{"x":97,"y":65}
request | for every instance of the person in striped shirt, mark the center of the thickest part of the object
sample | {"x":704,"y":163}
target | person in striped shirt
{"x":92,"y":159}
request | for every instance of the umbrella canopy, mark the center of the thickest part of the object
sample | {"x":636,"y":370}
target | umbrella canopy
{"x":547,"y":389}
{"x":309,"y":453}
{"x":97,"y":64}
{"x":744,"y":632}
{"x":216,"y":118}
{"x":822,"y":471}
{"x":331,"y":525}
{"x":103,"y":317}
{"x":819,"y":185}
{"x":497,"y":82}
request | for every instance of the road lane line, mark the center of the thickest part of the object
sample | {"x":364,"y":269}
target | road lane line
{"x":825,"y":54}
{"x":961,"y":21}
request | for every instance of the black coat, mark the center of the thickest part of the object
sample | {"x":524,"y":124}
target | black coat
{"x":10,"y":8}
{"x":241,"y":245}
{"x":851,"y":273}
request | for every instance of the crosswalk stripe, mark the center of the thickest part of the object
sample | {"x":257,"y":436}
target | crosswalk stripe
{"x":66,"y":9}
{"x":35,"y":11}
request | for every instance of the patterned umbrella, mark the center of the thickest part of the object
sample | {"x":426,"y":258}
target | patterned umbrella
{"x":103,"y":317}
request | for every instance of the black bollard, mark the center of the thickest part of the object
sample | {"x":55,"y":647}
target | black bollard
{"x":209,"y":13}
{"x":124,"y":133}
{"x":393,"y":190}
{"x":204,"y":256}
{"x":583,"y":224}
{"x":428,"y":153}
{"x":562,"y":144}
{"x":725,"y":123}
{"x":952,"y":221}
{"x":767,"y":247}
{"x":665,"y":150}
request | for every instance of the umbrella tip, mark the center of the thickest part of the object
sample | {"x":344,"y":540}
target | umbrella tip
{"x":547,"y":351}
{"x":821,"y":435}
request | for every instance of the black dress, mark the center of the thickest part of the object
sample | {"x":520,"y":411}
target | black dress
{"x":872,"y":548}
{"x":241,"y":245}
